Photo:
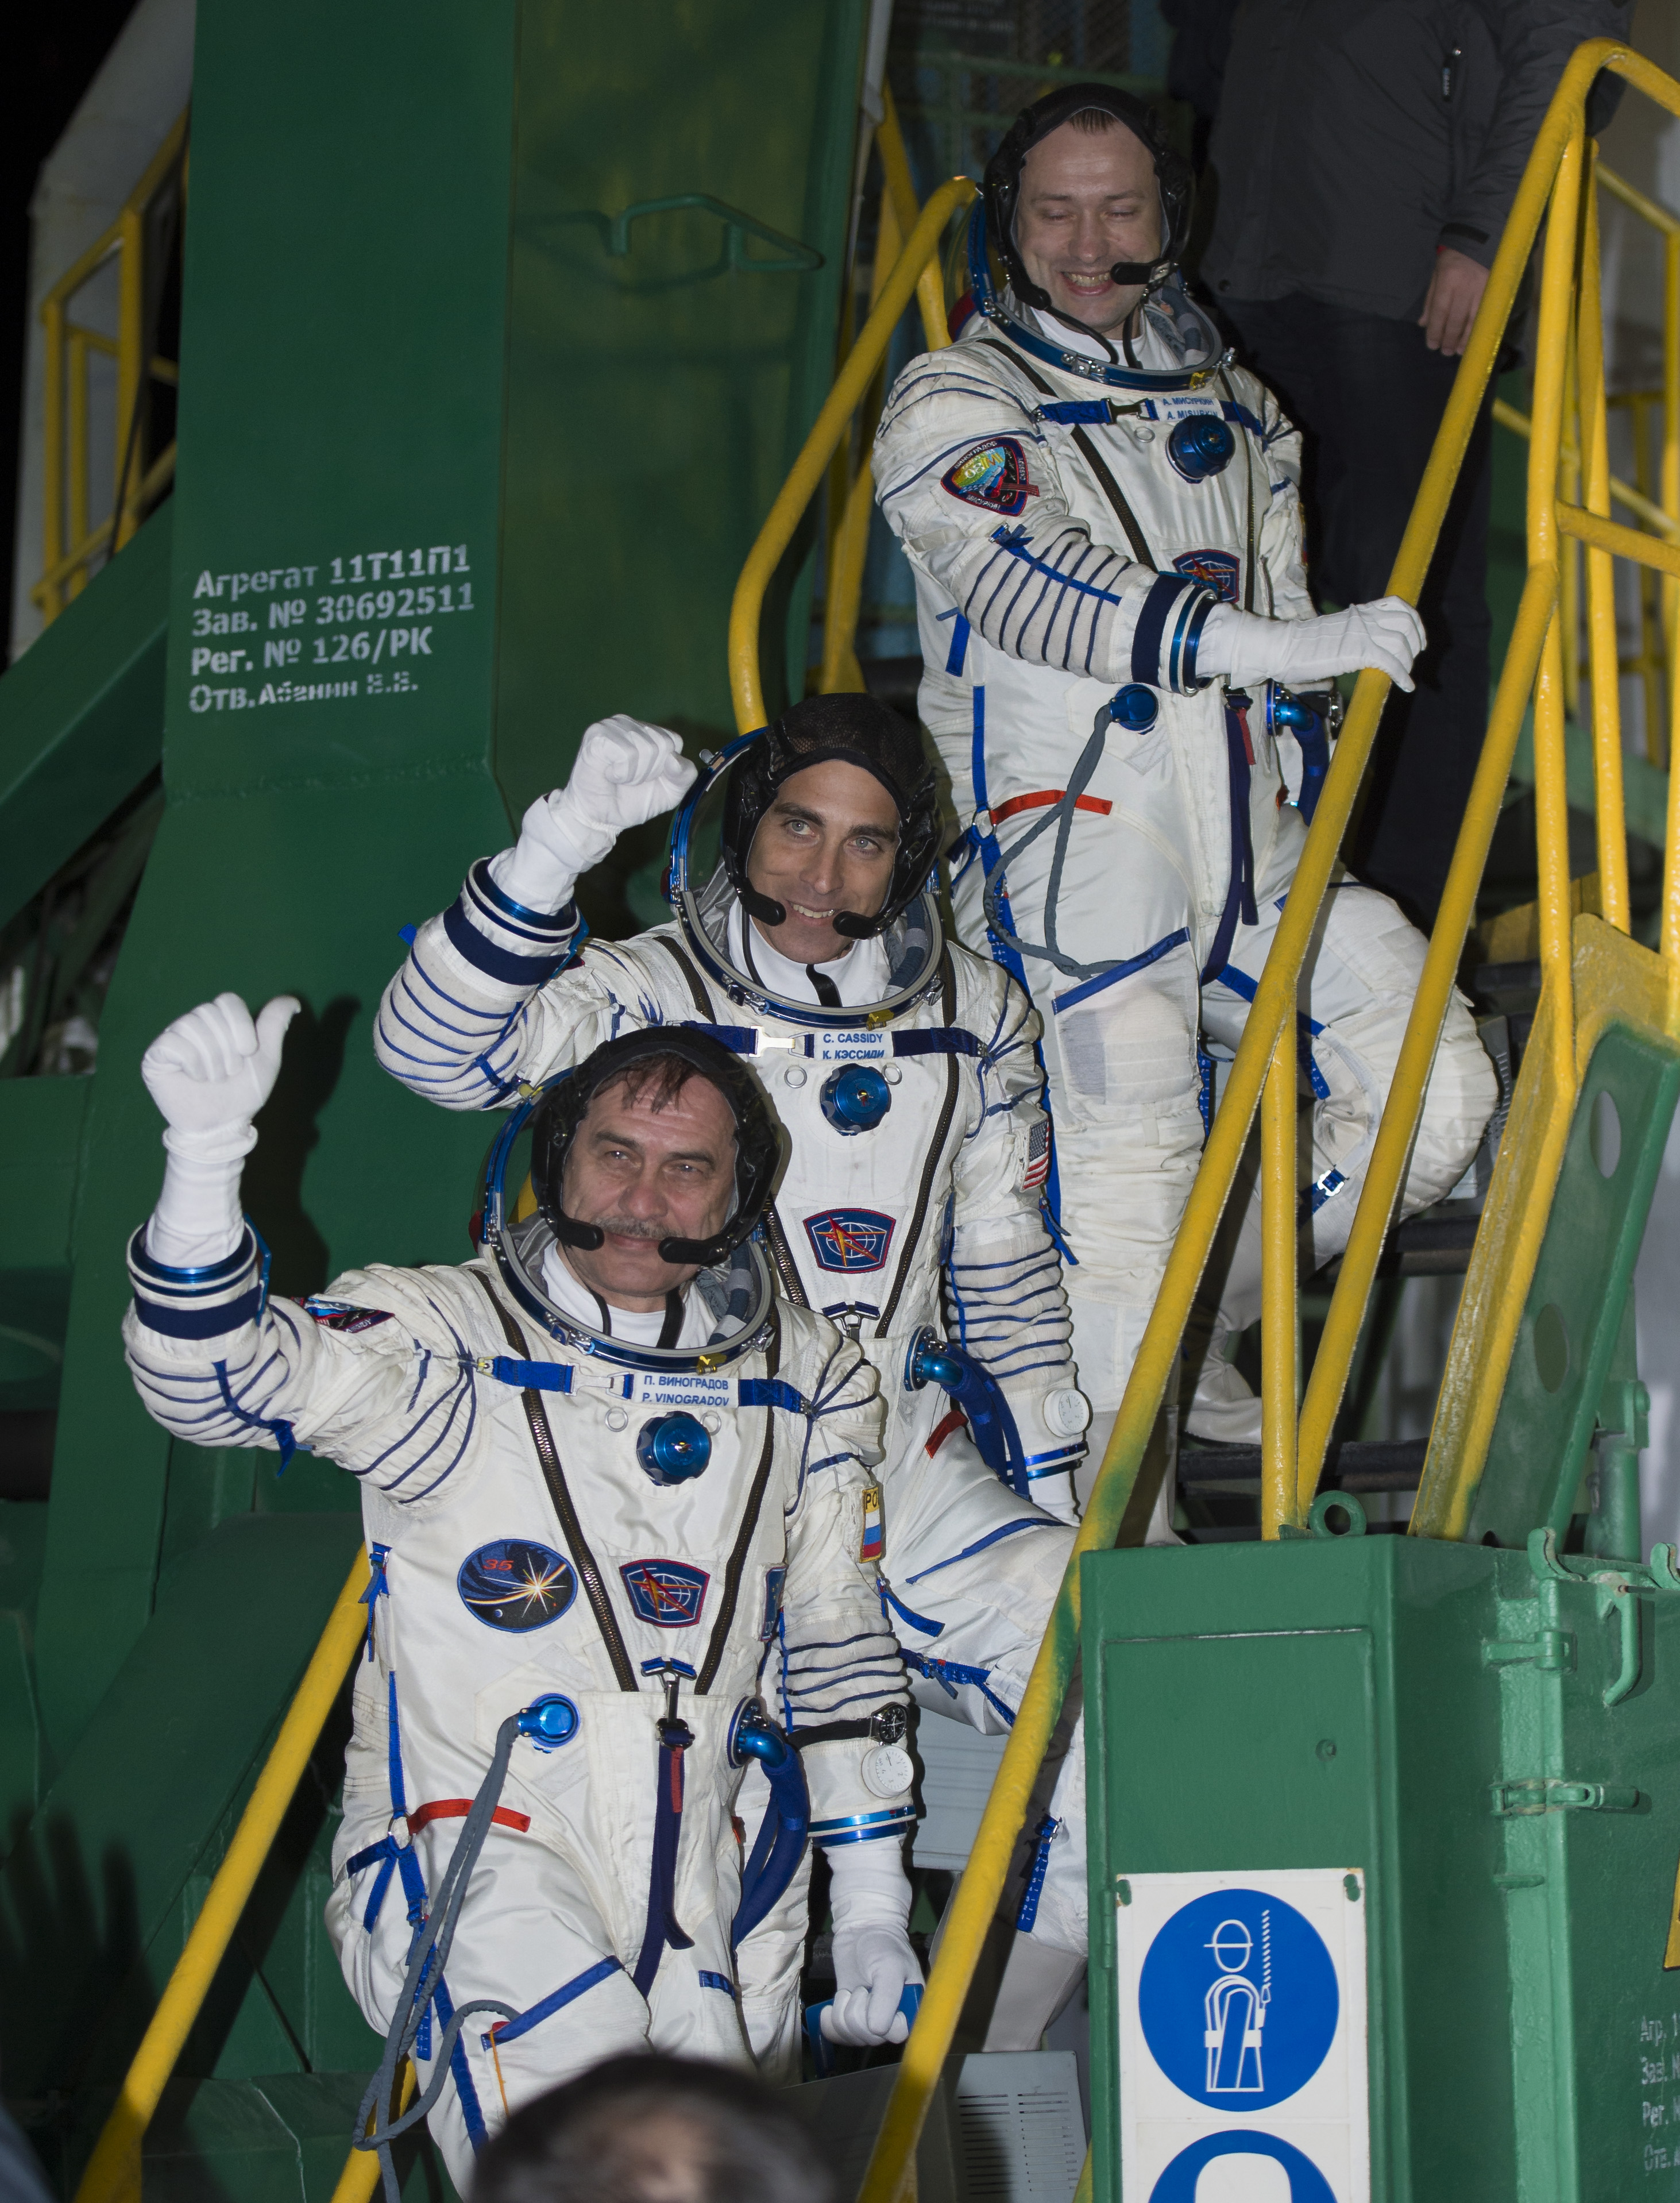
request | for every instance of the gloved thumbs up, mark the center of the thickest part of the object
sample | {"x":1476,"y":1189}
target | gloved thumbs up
{"x":214,"y":1068}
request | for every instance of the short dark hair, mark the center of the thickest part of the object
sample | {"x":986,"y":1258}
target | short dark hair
{"x":661,"y":1077}
{"x":610,"y":2136}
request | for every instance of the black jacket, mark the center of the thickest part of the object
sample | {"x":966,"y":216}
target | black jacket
{"x":1354,"y":137}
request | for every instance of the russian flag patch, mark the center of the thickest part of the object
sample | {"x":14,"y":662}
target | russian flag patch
{"x":873,"y":1544}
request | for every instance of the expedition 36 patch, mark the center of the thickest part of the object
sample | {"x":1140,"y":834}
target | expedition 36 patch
{"x":668,"y":1593}
{"x":850,"y":1239}
{"x":513,"y":1584}
{"x":994,"y":477}
{"x":1215,"y":570}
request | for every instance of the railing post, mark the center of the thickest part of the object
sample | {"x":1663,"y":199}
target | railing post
{"x":1280,"y":1314}
{"x":1557,"y":287}
{"x":50,"y":598}
{"x":1604,"y":660}
{"x":80,"y":528}
{"x":131,"y":373}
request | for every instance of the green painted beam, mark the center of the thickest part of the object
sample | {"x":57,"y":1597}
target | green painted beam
{"x":1572,"y":1316}
{"x":451,"y":482}
{"x":81,"y":715}
{"x":88,"y":1888}
{"x":41,"y":1123}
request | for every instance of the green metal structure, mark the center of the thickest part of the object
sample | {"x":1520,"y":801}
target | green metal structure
{"x":1481,"y":1740}
{"x":500,"y":327}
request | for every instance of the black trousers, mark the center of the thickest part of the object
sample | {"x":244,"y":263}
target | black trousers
{"x":1369,"y":394}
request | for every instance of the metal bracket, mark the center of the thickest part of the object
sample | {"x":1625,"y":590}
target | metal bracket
{"x":1546,"y":1793}
{"x":1617,"y":1597}
{"x":797,"y":258}
{"x":1554,"y":1650}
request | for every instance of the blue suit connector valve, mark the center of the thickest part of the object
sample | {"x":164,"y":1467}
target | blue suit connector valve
{"x":1201,"y":446}
{"x":782,"y":1835}
{"x":977,"y":1392}
{"x":1135,"y":708}
{"x":673,"y":1448}
{"x":1311,"y":719}
{"x":549,"y":1722}
{"x":855,"y":1098}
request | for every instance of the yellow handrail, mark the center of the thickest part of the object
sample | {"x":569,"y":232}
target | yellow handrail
{"x":113,"y":2174}
{"x":1661,"y":512}
{"x":68,"y":544}
{"x":360,"y":2177}
{"x":1554,"y":175}
{"x":1553,"y":169}
{"x":745,"y":612}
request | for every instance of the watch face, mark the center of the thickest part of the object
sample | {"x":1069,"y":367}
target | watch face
{"x":888,"y":1724}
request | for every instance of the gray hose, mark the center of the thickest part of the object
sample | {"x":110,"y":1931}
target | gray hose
{"x":432,"y":1943}
{"x":1060,"y":815}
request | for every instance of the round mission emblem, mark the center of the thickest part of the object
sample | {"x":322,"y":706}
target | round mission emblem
{"x":514,"y":1584}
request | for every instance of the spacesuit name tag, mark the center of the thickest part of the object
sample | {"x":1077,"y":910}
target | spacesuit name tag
{"x":674,"y":1388}
{"x":853,"y":1047}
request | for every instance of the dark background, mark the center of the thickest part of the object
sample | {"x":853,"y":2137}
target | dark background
{"x":47,"y":61}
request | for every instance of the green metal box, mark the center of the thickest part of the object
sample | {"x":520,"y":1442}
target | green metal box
{"x":1478,"y":1751}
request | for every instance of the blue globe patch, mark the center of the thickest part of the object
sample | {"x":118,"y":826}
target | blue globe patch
{"x":516,"y":1584}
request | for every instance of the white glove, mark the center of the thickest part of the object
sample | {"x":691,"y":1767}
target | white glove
{"x":870,"y":1893}
{"x":626,"y":773}
{"x":209,"y":1072}
{"x":1241,"y":646}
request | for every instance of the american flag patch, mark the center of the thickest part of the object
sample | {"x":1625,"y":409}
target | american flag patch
{"x":1038,"y":1156}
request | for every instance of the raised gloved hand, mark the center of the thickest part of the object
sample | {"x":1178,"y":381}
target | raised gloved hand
{"x":209,"y":1072}
{"x":1241,"y":646}
{"x":626,"y":773}
{"x":212,"y":1070}
{"x":873,"y":1958}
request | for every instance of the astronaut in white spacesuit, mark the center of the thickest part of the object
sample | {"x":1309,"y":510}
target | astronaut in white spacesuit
{"x":617,"y":1493}
{"x":905,"y":1071}
{"x":1102,"y":513}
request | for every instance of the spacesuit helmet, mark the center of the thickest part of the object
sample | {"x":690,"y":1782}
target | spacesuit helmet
{"x":711,"y":847}
{"x":1001,"y":191}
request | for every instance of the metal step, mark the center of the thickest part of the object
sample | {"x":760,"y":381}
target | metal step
{"x":1355,"y":1465}
{"x":1434,"y":1243}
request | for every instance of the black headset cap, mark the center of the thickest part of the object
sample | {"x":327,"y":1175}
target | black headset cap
{"x":1173,"y":176}
{"x":757,"y":1137}
{"x":858,"y":731}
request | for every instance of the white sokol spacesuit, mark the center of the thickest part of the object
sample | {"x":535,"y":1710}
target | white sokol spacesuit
{"x":533,"y":1558}
{"x":1089,"y":538}
{"x":920,"y":1219}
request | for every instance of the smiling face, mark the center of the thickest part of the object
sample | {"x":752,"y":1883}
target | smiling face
{"x":644,"y":1168}
{"x":1087,"y":200}
{"x":826,"y":844}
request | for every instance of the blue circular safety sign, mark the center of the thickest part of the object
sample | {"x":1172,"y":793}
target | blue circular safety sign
{"x":1178,"y":2184}
{"x":1238,"y":2001}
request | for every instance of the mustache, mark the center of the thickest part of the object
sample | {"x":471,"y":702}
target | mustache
{"x":629,"y":1227}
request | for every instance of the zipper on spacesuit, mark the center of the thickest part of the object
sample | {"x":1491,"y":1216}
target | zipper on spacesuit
{"x":664,"y":1929}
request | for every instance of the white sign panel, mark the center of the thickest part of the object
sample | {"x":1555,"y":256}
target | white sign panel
{"x":1242,"y":2038}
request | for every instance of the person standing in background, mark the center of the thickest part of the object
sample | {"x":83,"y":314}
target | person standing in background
{"x":1364,"y":181}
